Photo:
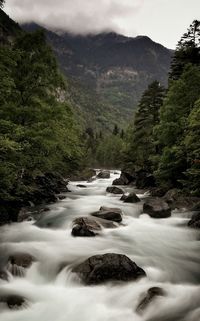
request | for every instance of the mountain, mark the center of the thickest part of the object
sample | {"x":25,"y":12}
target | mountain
{"x":117,"y":68}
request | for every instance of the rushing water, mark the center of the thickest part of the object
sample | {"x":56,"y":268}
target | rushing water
{"x":166,"y":249}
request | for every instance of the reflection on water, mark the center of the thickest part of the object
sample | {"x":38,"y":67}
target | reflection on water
{"x":166,"y":249}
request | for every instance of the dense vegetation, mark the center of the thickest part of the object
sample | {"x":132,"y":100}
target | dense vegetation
{"x":166,"y":133}
{"x":38,"y":132}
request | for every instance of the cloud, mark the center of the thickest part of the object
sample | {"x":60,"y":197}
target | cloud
{"x":76,"y":16}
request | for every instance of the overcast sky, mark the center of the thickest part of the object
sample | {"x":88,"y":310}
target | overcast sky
{"x":162,"y":20}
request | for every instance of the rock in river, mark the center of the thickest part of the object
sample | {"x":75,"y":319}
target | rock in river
{"x":19,"y":262}
{"x":114,"y":190}
{"x":108,"y":267}
{"x":157,"y":208}
{"x":130,"y":198}
{"x":195,"y":221}
{"x":104,"y":174}
{"x":111,"y":214}
{"x":85,"y":226}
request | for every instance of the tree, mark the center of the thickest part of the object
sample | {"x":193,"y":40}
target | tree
{"x":192,"y":147}
{"x":171,"y":130}
{"x":187,"y":51}
{"x":141,"y":144}
{"x":38,"y":132}
{"x":115,"y":130}
{"x":2,"y":2}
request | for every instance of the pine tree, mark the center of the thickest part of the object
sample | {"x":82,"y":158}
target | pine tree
{"x":141,"y":145}
{"x":187,"y":51}
{"x":171,"y":130}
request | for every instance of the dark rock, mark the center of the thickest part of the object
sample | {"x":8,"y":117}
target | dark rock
{"x":13,"y":301}
{"x":195,"y":221}
{"x":4,"y":275}
{"x":85,"y":226}
{"x":61,"y":197}
{"x":114,"y":190}
{"x":9,"y":211}
{"x":19,"y":262}
{"x":148,"y":297}
{"x":109,"y":214}
{"x":157,"y":208}
{"x":24,"y":215}
{"x":115,"y":209}
{"x":124,"y":179}
{"x":130,"y":198}
{"x":196,"y":207}
{"x":104,"y":174}
{"x":108,"y":267}
{"x":144,"y":180}
{"x":81,"y":186}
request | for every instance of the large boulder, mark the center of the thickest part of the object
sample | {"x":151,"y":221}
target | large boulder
{"x":124,"y":179}
{"x":195,"y":221}
{"x":148,"y":297}
{"x":108,"y":267}
{"x":130,"y":198}
{"x":19,"y":262}
{"x":157,"y":208}
{"x":111,"y":214}
{"x":85,"y":226}
{"x":114,"y":190}
{"x":104,"y":174}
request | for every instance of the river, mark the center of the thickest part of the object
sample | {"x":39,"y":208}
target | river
{"x":166,"y":249}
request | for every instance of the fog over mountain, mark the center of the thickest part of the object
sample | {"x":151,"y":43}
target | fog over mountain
{"x":161,"y":20}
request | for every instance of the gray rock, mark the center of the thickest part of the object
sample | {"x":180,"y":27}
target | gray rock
{"x":114,"y":190}
{"x":195,"y":221}
{"x":130,"y":198}
{"x":108,"y":267}
{"x":157,"y":208}
{"x":19,"y":262}
{"x":81,"y":186}
{"x":13,"y":301}
{"x":109,"y":214}
{"x":85,"y":226}
{"x":104,"y":174}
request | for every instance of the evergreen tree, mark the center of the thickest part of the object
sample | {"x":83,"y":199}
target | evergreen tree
{"x":141,"y":143}
{"x":2,"y":2}
{"x":187,"y":50}
{"x":192,"y":147}
{"x":38,"y":131}
{"x":115,"y":130}
{"x":170,"y":132}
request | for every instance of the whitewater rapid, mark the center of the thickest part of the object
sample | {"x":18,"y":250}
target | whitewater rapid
{"x":166,"y":249}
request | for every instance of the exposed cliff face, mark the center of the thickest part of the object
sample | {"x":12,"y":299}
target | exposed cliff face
{"x":116,"y":67}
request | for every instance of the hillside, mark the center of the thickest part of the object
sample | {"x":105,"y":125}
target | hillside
{"x":116,"y":67}
{"x":8,"y":28}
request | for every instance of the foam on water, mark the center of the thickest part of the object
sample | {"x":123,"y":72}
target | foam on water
{"x":166,"y":249}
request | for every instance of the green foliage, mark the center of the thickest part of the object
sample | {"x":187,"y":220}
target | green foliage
{"x":141,"y":145}
{"x":192,"y":146}
{"x":37,"y":128}
{"x":109,"y":151}
{"x":187,"y":51}
{"x":171,"y":130}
